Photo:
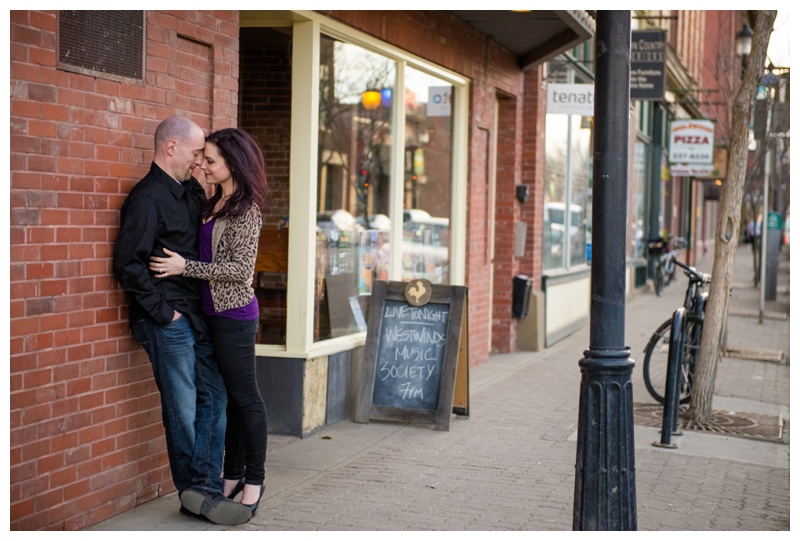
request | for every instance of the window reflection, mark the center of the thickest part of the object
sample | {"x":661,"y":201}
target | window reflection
{"x":636,"y":222}
{"x":427,"y":177}
{"x":357,"y":95}
{"x":567,"y":177}
{"x":580,"y":192}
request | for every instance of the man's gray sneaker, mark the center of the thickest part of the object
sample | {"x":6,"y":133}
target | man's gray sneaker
{"x":215,"y":507}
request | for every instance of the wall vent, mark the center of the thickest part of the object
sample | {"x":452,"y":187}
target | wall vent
{"x":107,"y":44}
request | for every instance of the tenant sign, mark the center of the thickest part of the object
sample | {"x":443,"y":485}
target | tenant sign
{"x":570,"y":99}
{"x":691,"y":141}
{"x":648,"y":64}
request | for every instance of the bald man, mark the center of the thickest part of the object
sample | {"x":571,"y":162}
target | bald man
{"x":163,"y":211}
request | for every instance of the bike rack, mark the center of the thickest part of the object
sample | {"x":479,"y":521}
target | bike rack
{"x":669,"y":420}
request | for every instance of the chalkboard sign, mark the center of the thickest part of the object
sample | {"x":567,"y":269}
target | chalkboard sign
{"x":413,"y":343}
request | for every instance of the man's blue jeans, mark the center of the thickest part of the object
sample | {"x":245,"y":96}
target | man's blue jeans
{"x":193,"y":401}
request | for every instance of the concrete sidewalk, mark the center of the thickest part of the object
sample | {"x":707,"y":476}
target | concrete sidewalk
{"x":511,"y":464}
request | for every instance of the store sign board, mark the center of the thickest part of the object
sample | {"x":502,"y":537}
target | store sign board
{"x":648,"y":64}
{"x":773,"y":220}
{"x":416,"y":365}
{"x":691,"y":141}
{"x":692,"y":170}
{"x":570,"y":99}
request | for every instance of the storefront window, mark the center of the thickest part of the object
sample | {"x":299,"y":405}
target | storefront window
{"x":555,"y":196}
{"x":580,"y":188}
{"x":567,"y":224}
{"x":268,"y":117}
{"x":567,"y":178}
{"x":636,"y":234}
{"x":353,"y":181}
{"x":364,"y":145}
{"x":427,"y":177}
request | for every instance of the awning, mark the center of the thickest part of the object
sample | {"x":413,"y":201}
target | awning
{"x":534,"y":36}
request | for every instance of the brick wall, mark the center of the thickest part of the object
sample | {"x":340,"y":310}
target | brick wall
{"x":85,"y":422}
{"x":532,"y":173}
{"x":507,"y":214}
{"x":719,"y":71}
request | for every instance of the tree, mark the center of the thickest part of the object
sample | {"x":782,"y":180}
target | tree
{"x":700,"y":408}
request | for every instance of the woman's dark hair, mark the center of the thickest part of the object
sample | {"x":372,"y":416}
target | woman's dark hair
{"x":243,"y":157}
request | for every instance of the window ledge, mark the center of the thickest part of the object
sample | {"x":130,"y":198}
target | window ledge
{"x":557,"y":273}
{"x":319,"y":349}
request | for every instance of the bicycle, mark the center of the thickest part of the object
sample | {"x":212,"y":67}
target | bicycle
{"x":656,"y":352}
{"x":665,"y":254}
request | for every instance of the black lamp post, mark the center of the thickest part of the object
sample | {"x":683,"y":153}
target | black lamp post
{"x":370,"y":100}
{"x":605,"y":481}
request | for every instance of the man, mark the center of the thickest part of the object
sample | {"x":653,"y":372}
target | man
{"x":163,"y":211}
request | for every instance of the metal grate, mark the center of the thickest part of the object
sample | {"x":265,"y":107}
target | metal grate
{"x":102,"y":43}
{"x":743,"y":425}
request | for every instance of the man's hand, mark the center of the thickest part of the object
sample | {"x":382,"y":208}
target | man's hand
{"x":176,"y":315}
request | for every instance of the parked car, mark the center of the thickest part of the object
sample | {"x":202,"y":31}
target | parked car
{"x":340,"y":220}
{"x":426,"y":240}
{"x":426,"y":246}
{"x":375,"y":221}
{"x":554,"y":229}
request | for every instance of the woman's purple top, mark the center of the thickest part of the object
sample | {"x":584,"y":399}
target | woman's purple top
{"x":244,"y":313}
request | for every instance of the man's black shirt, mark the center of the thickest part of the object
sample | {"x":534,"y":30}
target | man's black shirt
{"x":159,"y":213}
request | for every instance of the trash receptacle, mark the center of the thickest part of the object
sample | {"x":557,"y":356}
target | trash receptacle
{"x":520,"y":296}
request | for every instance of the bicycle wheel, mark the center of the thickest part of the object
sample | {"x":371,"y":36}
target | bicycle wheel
{"x":656,"y":355}
{"x":658,"y":279}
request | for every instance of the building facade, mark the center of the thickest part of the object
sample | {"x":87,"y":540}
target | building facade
{"x":394,"y":144}
{"x":399,"y":145}
{"x":703,"y":74}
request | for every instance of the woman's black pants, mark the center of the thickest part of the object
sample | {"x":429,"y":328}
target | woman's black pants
{"x":246,"y":435}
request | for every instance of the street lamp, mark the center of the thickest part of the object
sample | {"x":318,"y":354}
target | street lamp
{"x":744,"y":42}
{"x":371,"y":99}
{"x":605,"y":472}
{"x":770,"y":79}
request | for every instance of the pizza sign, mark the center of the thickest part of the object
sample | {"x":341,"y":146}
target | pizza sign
{"x":691,"y":141}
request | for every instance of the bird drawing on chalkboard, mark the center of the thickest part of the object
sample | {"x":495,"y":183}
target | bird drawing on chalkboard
{"x":417,"y":291}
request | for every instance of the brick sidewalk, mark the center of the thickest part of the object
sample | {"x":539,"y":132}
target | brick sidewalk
{"x":511,"y":465}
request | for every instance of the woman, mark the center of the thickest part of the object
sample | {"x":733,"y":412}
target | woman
{"x":234,"y":165}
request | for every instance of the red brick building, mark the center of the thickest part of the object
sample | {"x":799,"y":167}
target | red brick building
{"x":85,"y":429}
{"x":85,"y":413}
{"x":395,"y":143}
